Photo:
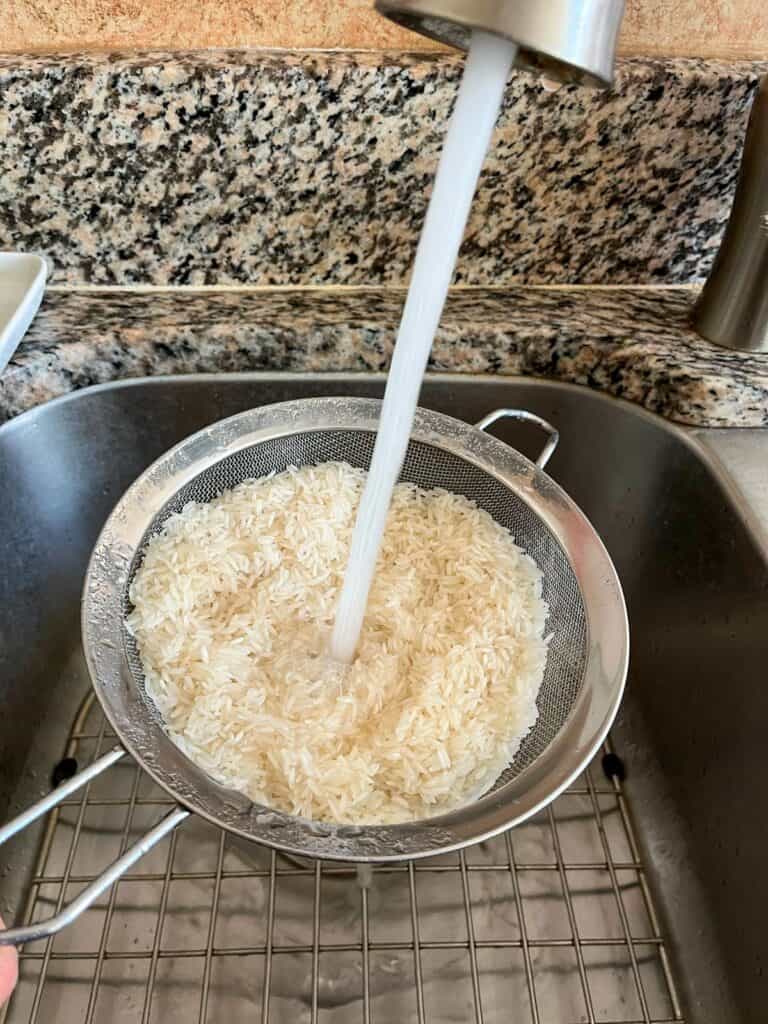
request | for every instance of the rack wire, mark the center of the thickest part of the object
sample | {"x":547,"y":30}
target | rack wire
{"x":554,"y":921}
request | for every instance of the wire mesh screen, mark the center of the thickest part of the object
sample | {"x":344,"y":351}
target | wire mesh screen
{"x":428,"y":466}
{"x":551,"y":923}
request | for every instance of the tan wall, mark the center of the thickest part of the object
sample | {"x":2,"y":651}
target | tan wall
{"x":706,"y":28}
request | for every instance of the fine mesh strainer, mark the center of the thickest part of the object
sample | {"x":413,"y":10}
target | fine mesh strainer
{"x":586,"y":664}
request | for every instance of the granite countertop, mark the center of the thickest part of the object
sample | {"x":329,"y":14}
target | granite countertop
{"x":295,"y":184}
{"x":633,"y":343}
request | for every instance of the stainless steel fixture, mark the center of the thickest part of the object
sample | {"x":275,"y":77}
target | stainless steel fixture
{"x":733,"y":307}
{"x":570,"y":40}
{"x":638,"y":900}
{"x":343,"y":946}
{"x":587,"y":622}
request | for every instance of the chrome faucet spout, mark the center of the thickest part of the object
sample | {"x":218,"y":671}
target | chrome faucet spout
{"x":733,"y":307}
{"x":570,"y":40}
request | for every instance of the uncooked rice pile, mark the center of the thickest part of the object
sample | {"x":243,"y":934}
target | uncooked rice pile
{"x":233,"y":610}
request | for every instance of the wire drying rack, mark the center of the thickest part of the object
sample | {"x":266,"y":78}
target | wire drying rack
{"x":554,"y":920}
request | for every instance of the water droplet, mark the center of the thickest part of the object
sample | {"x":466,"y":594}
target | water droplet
{"x":237,"y":802}
{"x":268,"y":819}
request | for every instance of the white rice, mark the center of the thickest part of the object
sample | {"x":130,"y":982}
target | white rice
{"x":234,"y":606}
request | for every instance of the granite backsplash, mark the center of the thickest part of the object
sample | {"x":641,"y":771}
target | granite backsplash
{"x":314,"y":169}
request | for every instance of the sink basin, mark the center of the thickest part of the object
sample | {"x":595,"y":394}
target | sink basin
{"x":545,"y":918}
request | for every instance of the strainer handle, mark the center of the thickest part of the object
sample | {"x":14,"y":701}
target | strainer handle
{"x":58,"y":795}
{"x":553,"y":435}
{"x":69,"y":913}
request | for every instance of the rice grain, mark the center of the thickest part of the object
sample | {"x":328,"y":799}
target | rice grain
{"x":233,"y":610}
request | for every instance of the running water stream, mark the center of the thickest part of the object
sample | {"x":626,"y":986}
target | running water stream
{"x":469,"y":133}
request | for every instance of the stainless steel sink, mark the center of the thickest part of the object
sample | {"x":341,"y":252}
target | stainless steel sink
{"x":644,"y":899}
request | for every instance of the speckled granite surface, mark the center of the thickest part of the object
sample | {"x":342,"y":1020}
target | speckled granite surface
{"x":267,"y":168}
{"x":632,"y":343}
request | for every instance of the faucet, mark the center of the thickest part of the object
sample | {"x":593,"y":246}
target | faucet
{"x":575,"y":41}
{"x":568,"y":40}
{"x":733,"y":306}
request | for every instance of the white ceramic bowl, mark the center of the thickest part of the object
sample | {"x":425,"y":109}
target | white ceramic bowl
{"x":22,"y":283}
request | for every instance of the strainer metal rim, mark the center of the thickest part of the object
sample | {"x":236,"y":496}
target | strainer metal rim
{"x":538,"y":784}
